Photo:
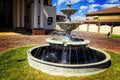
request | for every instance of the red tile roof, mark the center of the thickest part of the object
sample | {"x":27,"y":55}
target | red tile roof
{"x":113,"y":10}
{"x":103,"y":21}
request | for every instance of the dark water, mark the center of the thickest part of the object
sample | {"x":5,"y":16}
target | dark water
{"x":82,"y":55}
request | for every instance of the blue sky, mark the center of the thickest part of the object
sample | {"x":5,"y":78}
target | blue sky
{"x":85,"y":6}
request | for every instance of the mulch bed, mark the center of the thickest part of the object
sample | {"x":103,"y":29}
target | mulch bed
{"x":13,"y":41}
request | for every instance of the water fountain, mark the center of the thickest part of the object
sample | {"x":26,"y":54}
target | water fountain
{"x":66,"y":55}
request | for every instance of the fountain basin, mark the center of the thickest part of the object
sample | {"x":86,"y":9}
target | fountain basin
{"x":68,"y":69}
{"x":68,"y":26}
{"x":61,"y":42}
{"x":68,"y":11}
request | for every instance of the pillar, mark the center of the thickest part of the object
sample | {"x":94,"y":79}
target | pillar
{"x":41,"y":13}
{"x":36,"y":29}
{"x":15,"y":14}
{"x":18,"y":13}
{"x":88,"y":27}
{"x":35,"y":15}
{"x":99,"y":24}
{"x":23,"y":14}
{"x":111,"y":29}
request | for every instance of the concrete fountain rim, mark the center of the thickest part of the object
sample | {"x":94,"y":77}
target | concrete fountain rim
{"x":76,"y":43}
{"x":68,"y":65}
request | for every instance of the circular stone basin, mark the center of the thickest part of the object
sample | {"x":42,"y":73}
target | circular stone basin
{"x":68,"y":11}
{"x":60,"y":42}
{"x":68,"y":26}
{"x":69,"y":69}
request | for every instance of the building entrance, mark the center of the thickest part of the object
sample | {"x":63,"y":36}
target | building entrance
{"x":6,"y":15}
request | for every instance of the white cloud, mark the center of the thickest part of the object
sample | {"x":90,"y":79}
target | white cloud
{"x":113,"y":1}
{"x":65,"y":1}
{"x":94,"y":5}
{"x":80,"y":11}
{"x":93,"y":8}
{"x":60,"y":2}
{"x":104,"y":6}
{"x":54,"y":4}
{"x":82,"y":17}
{"x":83,"y":7}
{"x":91,"y":1}
{"x":75,"y":1}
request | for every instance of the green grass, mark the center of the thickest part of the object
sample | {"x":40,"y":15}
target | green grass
{"x":115,"y":36}
{"x":14,"y":66}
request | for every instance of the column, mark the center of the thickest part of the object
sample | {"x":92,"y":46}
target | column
{"x":41,"y":13}
{"x":18,"y":13}
{"x":88,"y":27}
{"x":23,"y":13}
{"x":35,"y":15}
{"x":111,"y":29}
{"x":99,"y":24}
{"x":15,"y":14}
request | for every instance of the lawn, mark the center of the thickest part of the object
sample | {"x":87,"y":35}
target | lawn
{"x":115,"y":36}
{"x":14,"y":66}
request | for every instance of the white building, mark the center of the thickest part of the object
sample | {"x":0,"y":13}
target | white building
{"x":37,"y":16}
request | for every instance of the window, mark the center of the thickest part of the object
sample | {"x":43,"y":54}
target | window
{"x":95,"y":17}
{"x":50,"y":20}
{"x":47,"y":3}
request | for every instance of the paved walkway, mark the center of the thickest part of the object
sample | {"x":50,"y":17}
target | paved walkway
{"x":9,"y":33}
{"x":12,"y":41}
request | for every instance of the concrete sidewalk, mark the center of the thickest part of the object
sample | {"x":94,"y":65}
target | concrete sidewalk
{"x":9,"y":33}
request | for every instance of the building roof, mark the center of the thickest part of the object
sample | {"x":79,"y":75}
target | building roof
{"x":113,"y":10}
{"x":108,"y":20}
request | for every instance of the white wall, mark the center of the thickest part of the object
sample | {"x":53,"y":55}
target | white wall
{"x":116,"y":30}
{"x":49,"y":12}
{"x":93,"y":28}
{"x":105,"y":29}
{"x":82,"y":27}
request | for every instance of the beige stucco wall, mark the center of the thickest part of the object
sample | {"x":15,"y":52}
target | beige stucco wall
{"x":86,"y":27}
{"x":82,"y":27}
{"x":94,"y":28}
{"x":116,"y":30}
{"x":105,"y":29}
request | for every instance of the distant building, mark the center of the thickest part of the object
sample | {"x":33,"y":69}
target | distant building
{"x":60,"y":18}
{"x":77,"y":21}
{"x":110,"y":16}
{"x":37,"y":16}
